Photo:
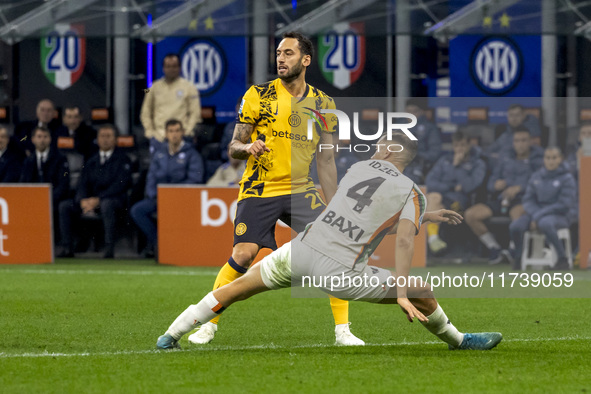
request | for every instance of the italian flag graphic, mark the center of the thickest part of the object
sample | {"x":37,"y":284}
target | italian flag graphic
{"x":341,"y":53}
{"x":63,"y":54}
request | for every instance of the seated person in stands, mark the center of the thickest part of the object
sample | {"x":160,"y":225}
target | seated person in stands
{"x":506,"y":187}
{"x":576,"y":152}
{"x":174,"y":162}
{"x":46,"y":113}
{"x":84,"y":136}
{"x":102,"y":191}
{"x":11,"y":158}
{"x":516,"y":117}
{"x":451,"y":182}
{"x":228,"y":174}
{"x":47,"y":165}
{"x":549,"y":196}
{"x":429,"y":140}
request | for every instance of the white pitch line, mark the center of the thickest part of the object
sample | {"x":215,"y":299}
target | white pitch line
{"x":109,"y":272}
{"x":197,"y":349}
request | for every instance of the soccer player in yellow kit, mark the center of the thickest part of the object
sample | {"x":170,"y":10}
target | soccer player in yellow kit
{"x":271,"y":134}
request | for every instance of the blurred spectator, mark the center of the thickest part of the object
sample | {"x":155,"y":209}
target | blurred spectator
{"x":228,"y":174}
{"x":451,"y":182}
{"x":506,"y":187}
{"x":574,"y":157}
{"x":45,"y":118}
{"x":429,"y":140}
{"x":516,"y":117}
{"x":102,"y":191}
{"x":47,"y":165}
{"x":84,"y":136}
{"x":549,"y":196}
{"x":170,"y":97}
{"x":175,"y":162}
{"x":11,"y":158}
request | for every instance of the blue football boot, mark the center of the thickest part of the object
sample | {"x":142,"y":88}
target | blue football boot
{"x":479,"y":341}
{"x":166,"y":341}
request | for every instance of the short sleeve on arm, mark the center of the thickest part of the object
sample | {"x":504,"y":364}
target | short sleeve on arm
{"x":414,"y":208}
{"x":249,"y":107}
{"x":331,"y":119}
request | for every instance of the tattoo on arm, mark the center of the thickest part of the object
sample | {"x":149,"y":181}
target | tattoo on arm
{"x":241,"y":138}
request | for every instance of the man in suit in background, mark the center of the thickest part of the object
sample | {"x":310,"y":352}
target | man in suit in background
{"x":45,"y":117}
{"x":84,"y":136}
{"x":102,"y":191}
{"x":11,"y":159}
{"x":47,"y":165}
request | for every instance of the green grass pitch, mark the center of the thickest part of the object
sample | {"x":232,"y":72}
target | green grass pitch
{"x":88,"y":326}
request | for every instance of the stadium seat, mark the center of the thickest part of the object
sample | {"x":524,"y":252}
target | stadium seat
{"x":75,"y":162}
{"x":537,"y":254}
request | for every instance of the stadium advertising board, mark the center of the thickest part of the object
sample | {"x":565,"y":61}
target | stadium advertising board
{"x":25,"y":224}
{"x":200,"y":233}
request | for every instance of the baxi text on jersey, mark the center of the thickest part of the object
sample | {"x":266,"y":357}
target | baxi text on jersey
{"x":353,"y":231}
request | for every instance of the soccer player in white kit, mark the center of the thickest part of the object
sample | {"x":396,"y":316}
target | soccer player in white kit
{"x":373,"y":199}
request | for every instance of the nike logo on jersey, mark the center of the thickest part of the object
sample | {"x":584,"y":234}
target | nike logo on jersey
{"x":353,"y":231}
{"x":276,"y":109}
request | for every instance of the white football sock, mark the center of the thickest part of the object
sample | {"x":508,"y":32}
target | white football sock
{"x":195,"y":315}
{"x":440,"y":325}
{"x":488,"y":239}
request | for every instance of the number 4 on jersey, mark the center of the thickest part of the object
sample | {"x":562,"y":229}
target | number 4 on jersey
{"x":364,"y":198}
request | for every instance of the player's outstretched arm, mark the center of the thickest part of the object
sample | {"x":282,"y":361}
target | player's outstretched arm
{"x":240,"y":147}
{"x":327,"y":169}
{"x":443,"y":216}
{"x":405,"y":240}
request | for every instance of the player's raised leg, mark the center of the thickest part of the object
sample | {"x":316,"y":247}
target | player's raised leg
{"x":274,"y":272}
{"x":243,"y":254}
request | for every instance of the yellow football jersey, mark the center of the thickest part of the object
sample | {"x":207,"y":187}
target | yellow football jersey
{"x":282,"y":122}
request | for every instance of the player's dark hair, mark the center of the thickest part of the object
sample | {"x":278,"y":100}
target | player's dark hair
{"x":304,"y":43}
{"x":521,"y":129}
{"x":110,"y":127}
{"x":172,"y":122}
{"x":411,"y":147}
{"x":584,"y":124}
{"x":42,"y":129}
{"x":516,"y":106}
{"x":171,"y":55}
{"x":459,"y":136}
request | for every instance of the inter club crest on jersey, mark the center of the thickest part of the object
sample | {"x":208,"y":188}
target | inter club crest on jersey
{"x":341,"y":53}
{"x":63,"y":54}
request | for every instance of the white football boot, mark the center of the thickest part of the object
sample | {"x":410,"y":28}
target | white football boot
{"x":205,"y":334}
{"x":344,"y":336}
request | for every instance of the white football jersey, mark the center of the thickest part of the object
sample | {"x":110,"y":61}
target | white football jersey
{"x":371,"y":199}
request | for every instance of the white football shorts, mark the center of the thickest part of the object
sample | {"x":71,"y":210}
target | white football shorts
{"x":297,"y":264}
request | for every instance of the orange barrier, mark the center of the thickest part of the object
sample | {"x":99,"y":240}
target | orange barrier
{"x":25,"y":224}
{"x":195,"y":228}
{"x":584,"y":211}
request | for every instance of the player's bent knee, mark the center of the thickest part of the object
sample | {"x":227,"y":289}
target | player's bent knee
{"x":423,"y":291}
{"x":244,"y":256}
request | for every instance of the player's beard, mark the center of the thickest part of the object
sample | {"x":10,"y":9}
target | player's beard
{"x":293,"y":73}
